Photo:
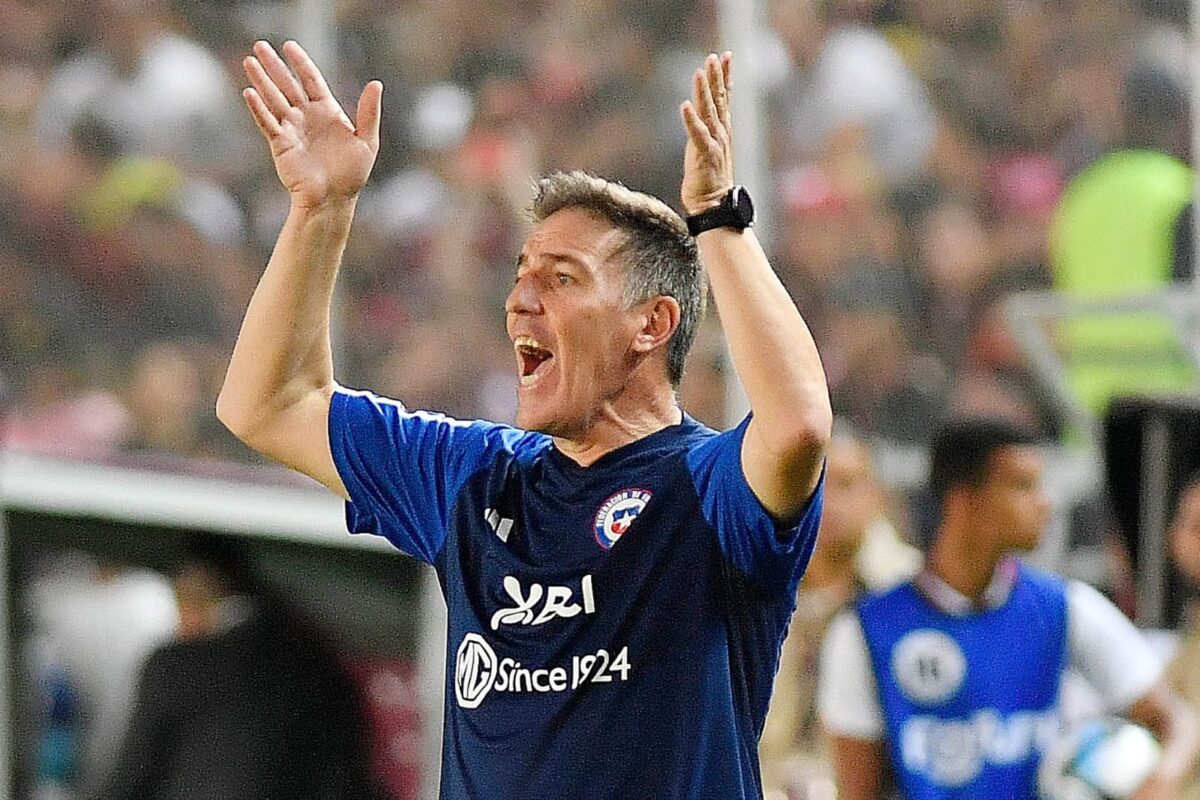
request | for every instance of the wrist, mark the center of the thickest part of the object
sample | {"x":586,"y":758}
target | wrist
{"x":734,"y":210}
{"x":327,"y":206}
{"x":694,"y":207}
{"x":705,"y":202}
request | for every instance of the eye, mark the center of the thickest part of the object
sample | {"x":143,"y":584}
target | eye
{"x":564,"y":279}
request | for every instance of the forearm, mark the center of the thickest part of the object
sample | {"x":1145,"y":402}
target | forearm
{"x":283,"y":350}
{"x":772,"y":348}
{"x":1175,"y":724}
{"x":858,"y":767}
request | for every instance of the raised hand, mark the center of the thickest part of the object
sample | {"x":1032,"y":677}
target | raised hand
{"x":708,"y":160}
{"x":319,"y":154}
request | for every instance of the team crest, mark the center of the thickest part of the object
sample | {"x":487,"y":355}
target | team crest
{"x":929,"y":666}
{"x":617,"y":514}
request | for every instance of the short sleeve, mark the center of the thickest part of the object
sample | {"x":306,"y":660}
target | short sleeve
{"x":404,"y":470}
{"x":1106,"y":648}
{"x":750,"y":537}
{"x":847,"y":700}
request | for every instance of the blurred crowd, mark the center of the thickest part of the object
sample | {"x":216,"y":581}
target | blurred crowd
{"x":918,"y":149}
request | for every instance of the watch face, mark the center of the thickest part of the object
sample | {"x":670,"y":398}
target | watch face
{"x":743,"y":206}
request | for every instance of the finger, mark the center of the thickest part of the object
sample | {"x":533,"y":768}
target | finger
{"x":310,"y":77}
{"x":370,"y":109}
{"x":703,"y":100}
{"x":268,"y":93}
{"x":266,"y":121}
{"x":716,"y":83}
{"x":697,"y":131}
{"x":280,"y":74}
{"x":716,"y":76}
{"x":727,"y":63}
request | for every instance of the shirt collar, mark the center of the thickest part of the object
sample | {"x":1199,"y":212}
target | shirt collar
{"x":949,"y":600}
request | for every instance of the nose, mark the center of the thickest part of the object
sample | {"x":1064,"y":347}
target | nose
{"x":523,"y":297}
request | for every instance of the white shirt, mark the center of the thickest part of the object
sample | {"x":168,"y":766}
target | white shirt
{"x":1103,"y":646}
{"x":860,"y":79}
{"x":178,"y":102}
{"x":101,"y":631}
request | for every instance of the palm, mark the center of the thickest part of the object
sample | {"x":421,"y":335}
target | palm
{"x":319,"y":153}
{"x":705,"y":174}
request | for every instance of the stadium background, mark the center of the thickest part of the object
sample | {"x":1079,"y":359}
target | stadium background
{"x":912,"y":157}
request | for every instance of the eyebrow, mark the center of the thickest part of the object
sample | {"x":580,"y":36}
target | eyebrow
{"x":556,"y":255}
{"x":570,"y":259}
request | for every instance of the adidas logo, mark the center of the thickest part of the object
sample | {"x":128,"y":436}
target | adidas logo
{"x":501,"y":525}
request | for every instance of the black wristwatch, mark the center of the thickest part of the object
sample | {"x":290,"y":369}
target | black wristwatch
{"x":736,"y":211}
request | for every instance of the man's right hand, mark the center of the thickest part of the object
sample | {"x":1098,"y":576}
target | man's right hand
{"x":320,"y":155}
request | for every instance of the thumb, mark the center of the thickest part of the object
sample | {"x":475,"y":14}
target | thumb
{"x":370,"y":109}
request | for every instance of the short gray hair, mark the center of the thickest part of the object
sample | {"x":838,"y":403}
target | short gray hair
{"x":660,"y":256}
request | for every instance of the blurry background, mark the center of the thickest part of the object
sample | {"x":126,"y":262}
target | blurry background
{"x":920,"y":163}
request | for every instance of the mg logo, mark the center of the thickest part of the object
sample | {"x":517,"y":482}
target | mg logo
{"x":474,"y":670}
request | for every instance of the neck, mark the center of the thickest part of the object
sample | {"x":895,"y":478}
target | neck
{"x":624,"y":419}
{"x":958,"y":560}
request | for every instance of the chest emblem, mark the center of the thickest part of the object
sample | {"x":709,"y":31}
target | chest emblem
{"x":617,"y":513}
{"x":929,"y":666}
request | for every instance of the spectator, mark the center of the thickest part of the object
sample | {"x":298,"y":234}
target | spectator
{"x":849,"y":76}
{"x":55,"y":415}
{"x":250,"y":702}
{"x":165,"y":401}
{"x":156,"y":92}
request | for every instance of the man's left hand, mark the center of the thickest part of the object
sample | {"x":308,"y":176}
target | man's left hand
{"x":708,"y":161}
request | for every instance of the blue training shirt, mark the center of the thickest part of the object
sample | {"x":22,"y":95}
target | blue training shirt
{"x":614,"y":630}
{"x":970,"y":701}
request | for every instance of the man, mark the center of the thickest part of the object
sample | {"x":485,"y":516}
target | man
{"x":618,"y":578}
{"x":850,"y":79}
{"x":951,"y":680}
{"x":860,"y":551}
{"x":249,"y":702}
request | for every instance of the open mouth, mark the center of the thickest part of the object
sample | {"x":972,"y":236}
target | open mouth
{"x":533,"y":359}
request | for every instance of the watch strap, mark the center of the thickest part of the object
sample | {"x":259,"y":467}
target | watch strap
{"x":725,"y":215}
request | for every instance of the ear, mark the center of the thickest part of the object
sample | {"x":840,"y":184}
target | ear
{"x":957,"y":502}
{"x":659,"y":319}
